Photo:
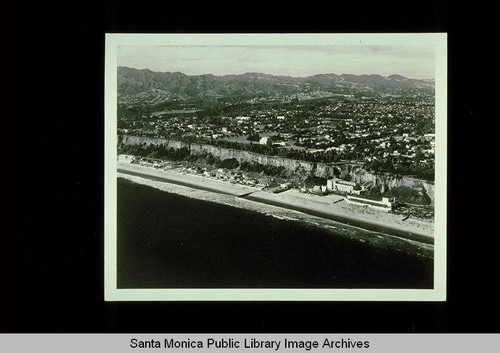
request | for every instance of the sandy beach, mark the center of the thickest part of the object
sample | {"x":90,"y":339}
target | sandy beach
{"x":328,"y":211}
{"x":334,"y":207}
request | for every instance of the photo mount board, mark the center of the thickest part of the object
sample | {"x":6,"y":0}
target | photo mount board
{"x":112,"y":293}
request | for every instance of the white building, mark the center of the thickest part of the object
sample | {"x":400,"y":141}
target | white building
{"x":126,"y":158}
{"x":266,"y":140}
{"x":384,"y":205}
{"x":343,"y":186}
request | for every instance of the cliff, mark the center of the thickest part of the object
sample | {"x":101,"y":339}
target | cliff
{"x":223,"y":153}
{"x":356,"y":171}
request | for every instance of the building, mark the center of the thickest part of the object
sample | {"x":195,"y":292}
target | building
{"x":340,"y":185}
{"x":383,"y":205}
{"x":266,"y":140}
{"x":126,"y":158}
{"x":316,"y":189}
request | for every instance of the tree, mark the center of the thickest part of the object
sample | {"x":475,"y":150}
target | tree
{"x":230,"y":163}
{"x":253,"y":137}
{"x":348,"y":177}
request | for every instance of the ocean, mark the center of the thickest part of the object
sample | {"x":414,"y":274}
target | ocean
{"x":171,"y":241}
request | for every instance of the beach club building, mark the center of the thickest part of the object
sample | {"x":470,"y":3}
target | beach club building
{"x":340,"y":185}
{"x":383,"y":205}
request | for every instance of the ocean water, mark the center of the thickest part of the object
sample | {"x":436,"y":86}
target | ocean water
{"x":171,"y":241}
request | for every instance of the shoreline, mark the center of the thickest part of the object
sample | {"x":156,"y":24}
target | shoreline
{"x":372,"y":226}
{"x":324,"y":211}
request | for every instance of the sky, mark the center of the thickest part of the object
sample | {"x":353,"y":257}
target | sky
{"x":292,"y":60}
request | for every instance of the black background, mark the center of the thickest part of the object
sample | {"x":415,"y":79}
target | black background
{"x":52,"y":168}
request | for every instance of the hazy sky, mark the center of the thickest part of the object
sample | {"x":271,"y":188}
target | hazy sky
{"x":410,"y":61}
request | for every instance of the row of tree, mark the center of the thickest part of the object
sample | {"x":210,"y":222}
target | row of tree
{"x":155,"y":151}
{"x":403,"y":167}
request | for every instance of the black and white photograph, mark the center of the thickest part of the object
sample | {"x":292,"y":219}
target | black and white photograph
{"x":275,"y":167}
{"x":247,"y":172}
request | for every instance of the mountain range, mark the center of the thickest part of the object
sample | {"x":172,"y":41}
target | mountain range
{"x":179,"y":85}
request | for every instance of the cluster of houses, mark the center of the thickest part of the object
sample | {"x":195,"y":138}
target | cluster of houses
{"x":236,"y":177}
{"x":356,"y":129}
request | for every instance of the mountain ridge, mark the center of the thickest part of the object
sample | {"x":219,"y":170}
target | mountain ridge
{"x":177,"y":84}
